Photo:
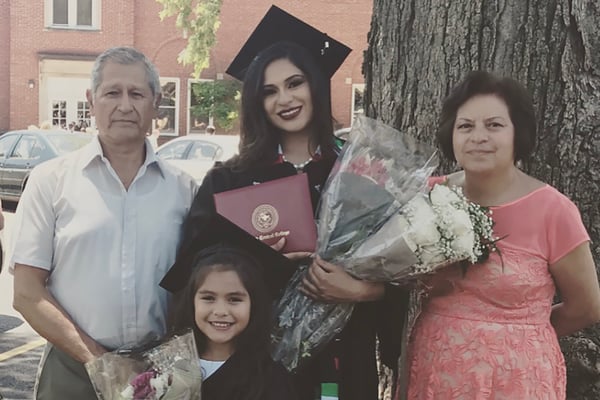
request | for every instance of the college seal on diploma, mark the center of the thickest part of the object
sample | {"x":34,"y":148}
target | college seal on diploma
{"x":264,"y":218}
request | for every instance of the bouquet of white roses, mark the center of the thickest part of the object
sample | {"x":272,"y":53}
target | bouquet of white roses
{"x":378,"y":221}
{"x":431,"y":231}
{"x":168,"y":371}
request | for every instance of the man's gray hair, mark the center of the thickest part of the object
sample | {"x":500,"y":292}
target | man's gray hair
{"x":125,"y":56}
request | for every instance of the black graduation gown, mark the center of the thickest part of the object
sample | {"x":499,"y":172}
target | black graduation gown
{"x":355,"y":347}
{"x":239,"y":379}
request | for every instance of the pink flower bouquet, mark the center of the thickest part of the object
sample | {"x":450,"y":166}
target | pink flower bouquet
{"x":169,"y":371}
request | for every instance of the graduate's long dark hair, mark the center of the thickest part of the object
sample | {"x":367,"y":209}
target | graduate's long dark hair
{"x":252,"y":344}
{"x":259,"y":138}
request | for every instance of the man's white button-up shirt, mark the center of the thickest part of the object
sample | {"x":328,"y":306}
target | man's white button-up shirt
{"x":106,"y":248}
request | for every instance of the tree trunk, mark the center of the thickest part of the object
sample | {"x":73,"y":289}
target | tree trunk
{"x":419,"y":49}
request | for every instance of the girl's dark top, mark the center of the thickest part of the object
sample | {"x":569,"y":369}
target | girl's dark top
{"x":240,"y":379}
{"x":349,"y":360}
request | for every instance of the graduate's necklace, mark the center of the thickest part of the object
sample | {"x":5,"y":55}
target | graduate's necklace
{"x":299,"y":166}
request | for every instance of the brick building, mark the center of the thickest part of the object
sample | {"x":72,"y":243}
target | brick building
{"x":4,"y":64}
{"x":47,"y":48}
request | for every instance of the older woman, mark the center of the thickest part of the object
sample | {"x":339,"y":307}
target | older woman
{"x":491,"y":332}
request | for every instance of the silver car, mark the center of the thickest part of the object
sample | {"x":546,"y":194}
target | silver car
{"x":197,"y":153}
{"x":21,"y":151}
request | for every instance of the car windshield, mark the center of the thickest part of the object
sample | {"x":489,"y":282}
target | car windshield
{"x":68,"y":142}
{"x":203,"y":151}
{"x":174,"y":151}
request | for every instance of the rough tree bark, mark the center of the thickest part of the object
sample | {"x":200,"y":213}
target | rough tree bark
{"x":419,"y":49}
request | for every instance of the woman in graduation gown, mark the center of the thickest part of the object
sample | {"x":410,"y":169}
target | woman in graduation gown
{"x":287,"y":128}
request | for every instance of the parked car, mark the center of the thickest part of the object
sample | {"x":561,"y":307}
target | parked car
{"x":197,"y":153}
{"x":21,"y":151}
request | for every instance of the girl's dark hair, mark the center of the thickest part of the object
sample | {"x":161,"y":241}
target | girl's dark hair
{"x":517,"y":99}
{"x":225,"y":258}
{"x":259,"y":138}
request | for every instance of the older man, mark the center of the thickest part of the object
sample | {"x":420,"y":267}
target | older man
{"x":97,"y":229}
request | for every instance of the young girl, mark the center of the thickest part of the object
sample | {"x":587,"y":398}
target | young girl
{"x":227,"y":305}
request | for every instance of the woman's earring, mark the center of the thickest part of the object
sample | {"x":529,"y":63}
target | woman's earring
{"x":519,"y":164}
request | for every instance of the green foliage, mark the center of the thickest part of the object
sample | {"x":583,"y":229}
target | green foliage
{"x":219,"y":99}
{"x":199,"y":20}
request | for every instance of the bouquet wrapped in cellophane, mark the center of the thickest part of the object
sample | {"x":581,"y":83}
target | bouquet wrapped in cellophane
{"x":377,"y":172}
{"x":379,"y":221}
{"x":167,"y":371}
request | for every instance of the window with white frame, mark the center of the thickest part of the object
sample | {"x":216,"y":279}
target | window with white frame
{"x":214,"y":102}
{"x":167,"y":120}
{"x":83,"y":113}
{"x":73,"y":14}
{"x":198,"y":118}
{"x":358,"y":100}
{"x":59,"y":113}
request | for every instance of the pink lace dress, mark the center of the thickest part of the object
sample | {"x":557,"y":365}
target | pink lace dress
{"x":487,"y":335}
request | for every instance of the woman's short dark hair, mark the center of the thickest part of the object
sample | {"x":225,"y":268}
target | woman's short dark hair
{"x":517,"y":99}
{"x":255,"y":338}
{"x":259,"y":138}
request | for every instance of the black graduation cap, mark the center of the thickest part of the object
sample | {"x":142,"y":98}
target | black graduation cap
{"x":276,"y":268}
{"x":279,"y":26}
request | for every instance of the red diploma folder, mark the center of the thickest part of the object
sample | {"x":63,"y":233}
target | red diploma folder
{"x":272,"y":210}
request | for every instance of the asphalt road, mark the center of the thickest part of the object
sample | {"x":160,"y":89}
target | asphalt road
{"x":20,"y":346}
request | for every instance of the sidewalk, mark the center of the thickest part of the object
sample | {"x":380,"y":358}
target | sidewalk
{"x":14,"y":331}
{"x":10,"y":320}
{"x":20,"y":346}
